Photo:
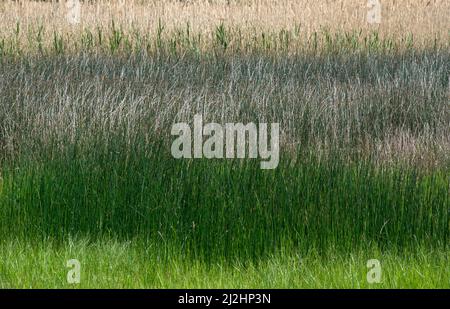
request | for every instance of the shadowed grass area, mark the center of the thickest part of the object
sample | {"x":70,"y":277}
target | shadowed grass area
{"x":389,"y":107}
{"x":226,"y":209}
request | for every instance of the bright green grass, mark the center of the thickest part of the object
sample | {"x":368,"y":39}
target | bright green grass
{"x":112,"y":264}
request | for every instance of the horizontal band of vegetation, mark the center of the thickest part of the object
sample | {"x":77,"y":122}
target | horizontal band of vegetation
{"x":227,"y":209}
{"x":117,"y":39}
{"x":131,"y":264}
{"x":177,"y":26}
{"x":388,"y":107}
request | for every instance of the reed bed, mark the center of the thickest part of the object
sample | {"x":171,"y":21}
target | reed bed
{"x":277,"y":25}
{"x":86,"y":171}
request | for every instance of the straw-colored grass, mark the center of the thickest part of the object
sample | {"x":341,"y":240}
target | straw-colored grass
{"x":423,"y":21}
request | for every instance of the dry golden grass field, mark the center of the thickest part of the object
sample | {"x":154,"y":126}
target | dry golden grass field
{"x":423,"y":20}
